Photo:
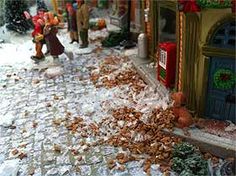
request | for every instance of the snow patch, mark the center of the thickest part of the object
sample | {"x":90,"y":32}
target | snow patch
{"x":84,"y":51}
{"x":4,"y":34}
{"x":54,"y":72}
{"x":130,"y":52}
{"x":98,"y":34}
{"x":7,"y":120}
{"x":9,"y":167}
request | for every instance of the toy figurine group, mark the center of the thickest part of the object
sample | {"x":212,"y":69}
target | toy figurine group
{"x":46,"y":28}
{"x":78,"y":21}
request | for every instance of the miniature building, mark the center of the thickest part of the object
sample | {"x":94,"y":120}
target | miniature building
{"x":119,"y":16}
{"x":136,"y":15}
{"x":205,"y":59}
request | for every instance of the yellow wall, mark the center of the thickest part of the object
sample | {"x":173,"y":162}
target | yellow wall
{"x":209,"y":18}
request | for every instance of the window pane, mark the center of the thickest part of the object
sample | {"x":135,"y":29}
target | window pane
{"x":167,"y":25}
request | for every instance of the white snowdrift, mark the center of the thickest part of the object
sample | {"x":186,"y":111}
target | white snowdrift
{"x":6,"y":120}
{"x":9,"y":167}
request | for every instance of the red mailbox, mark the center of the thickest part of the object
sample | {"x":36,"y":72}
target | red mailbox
{"x":167,"y":63}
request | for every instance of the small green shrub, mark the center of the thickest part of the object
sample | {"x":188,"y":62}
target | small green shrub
{"x":188,"y":161}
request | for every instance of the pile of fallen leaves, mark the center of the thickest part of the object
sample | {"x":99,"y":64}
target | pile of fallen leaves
{"x":73,"y":126}
{"x":144,"y":138}
{"x":123,"y":78}
{"x":105,"y":68}
{"x":108,"y":79}
{"x":139,"y":140}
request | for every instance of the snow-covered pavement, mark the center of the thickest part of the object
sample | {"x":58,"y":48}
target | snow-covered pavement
{"x":48,"y":126}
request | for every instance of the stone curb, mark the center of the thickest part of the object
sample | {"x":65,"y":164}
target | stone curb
{"x":221,"y":147}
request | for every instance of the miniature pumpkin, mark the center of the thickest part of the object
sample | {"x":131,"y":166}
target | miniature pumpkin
{"x":101,"y":23}
{"x":179,"y":99}
{"x":184,"y":118}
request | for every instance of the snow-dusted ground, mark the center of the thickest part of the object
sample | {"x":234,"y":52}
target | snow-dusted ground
{"x":33,"y":104}
{"x":18,"y":48}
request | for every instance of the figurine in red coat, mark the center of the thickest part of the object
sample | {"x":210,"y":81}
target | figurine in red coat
{"x":38,"y":38}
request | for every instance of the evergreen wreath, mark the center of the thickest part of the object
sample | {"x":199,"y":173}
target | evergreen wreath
{"x":224,"y":79}
{"x":214,"y":3}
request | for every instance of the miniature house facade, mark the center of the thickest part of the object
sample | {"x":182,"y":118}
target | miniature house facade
{"x":214,"y":56}
{"x":205,"y":52}
{"x":119,"y":15}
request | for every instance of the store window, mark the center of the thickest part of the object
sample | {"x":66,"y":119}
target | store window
{"x":119,"y":15}
{"x":167,"y":25}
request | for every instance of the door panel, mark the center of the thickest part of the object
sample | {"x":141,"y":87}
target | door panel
{"x":220,"y":102}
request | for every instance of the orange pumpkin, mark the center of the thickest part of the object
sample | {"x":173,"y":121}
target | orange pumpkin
{"x":101,"y":23}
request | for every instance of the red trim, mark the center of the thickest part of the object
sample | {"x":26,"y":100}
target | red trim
{"x":189,"y":6}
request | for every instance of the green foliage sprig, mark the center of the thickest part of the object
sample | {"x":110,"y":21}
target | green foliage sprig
{"x":188,"y":161}
{"x":114,"y":38}
{"x":214,"y":4}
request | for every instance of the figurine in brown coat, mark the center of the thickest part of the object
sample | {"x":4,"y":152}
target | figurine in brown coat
{"x":50,"y":34}
{"x":83,"y":22}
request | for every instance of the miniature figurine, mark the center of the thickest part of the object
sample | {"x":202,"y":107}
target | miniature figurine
{"x":38,"y":38}
{"x":50,"y":33}
{"x":71,"y":22}
{"x":83,"y":22}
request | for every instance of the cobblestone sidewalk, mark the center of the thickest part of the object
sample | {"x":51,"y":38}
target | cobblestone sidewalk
{"x":38,"y":106}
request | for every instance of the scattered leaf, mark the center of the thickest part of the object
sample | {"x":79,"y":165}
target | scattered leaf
{"x":57,"y":148}
{"x":79,"y":158}
{"x":55,"y":97}
{"x":35,"y":81}
{"x":121,"y":168}
{"x":15,"y":152}
{"x":56,"y":122}
{"x":22,"y":155}
{"x":48,"y":105}
{"x":35,"y":124}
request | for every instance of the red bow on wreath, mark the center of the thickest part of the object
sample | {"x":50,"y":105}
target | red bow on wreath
{"x":189,"y":6}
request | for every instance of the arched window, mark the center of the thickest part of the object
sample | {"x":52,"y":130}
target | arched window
{"x":224,"y":36}
{"x":221,"y":39}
